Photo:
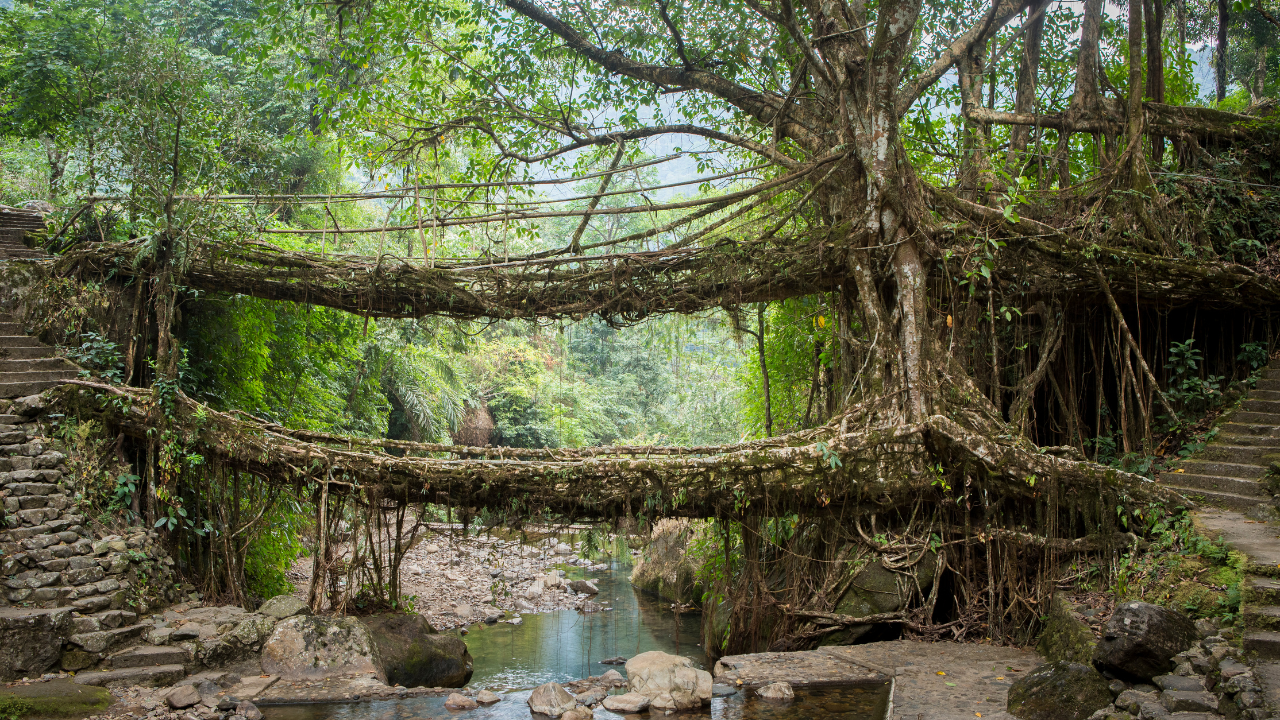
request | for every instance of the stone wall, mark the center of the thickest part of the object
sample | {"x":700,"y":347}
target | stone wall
{"x":49,"y":555}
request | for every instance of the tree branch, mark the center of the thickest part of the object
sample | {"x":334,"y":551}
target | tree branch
{"x":798,"y":124}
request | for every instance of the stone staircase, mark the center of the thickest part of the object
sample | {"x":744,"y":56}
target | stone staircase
{"x":27,"y":366}
{"x":1227,"y":480}
{"x":1229,"y":471}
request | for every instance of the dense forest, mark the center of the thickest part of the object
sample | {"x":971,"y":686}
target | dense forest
{"x":904,"y":237}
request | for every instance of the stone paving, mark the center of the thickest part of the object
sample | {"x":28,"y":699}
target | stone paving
{"x":932,"y":681}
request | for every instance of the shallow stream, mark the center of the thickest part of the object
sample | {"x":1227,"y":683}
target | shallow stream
{"x":567,"y":645}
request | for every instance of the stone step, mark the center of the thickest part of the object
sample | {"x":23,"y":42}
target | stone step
{"x":1260,"y":590}
{"x":1271,"y":373}
{"x":1268,"y":394}
{"x":1225,"y":452}
{"x":65,"y":373}
{"x":104,"y":640}
{"x":150,"y":656}
{"x":1265,"y":443}
{"x":1265,"y":384}
{"x":23,"y":389}
{"x":1224,"y":469}
{"x":154,"y":676}
{"x":1264,"y":406}
{"x":1235,"y":428}
{"x":1253,"y":417}
{"x":1261,"y":617}
{"x":1265,"y":643}
{"x":1217,"y":483}
{"x":1216,"y":498}
{"x":11,"y":419}
{"x":17,"y":341}
{"x":26,"y":353}
{"x":41,"y":364}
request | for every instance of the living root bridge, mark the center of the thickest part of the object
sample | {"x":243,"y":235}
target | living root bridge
{"x":816,"y":472}
{"x":626,"y":288}
{"x":629,"y":286}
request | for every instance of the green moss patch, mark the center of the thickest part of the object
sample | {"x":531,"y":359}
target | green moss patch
{"x":54,"y":699}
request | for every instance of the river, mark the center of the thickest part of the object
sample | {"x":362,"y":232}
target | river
{"x":567,"y":645}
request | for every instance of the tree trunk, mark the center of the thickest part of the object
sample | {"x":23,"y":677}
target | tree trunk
{"x":1028,"y":77}
{"x":1137,"y":166}
{"x":764,"y":370}
{"x":1220,"y":57}
{"x":1084,"y":102}
{"x":1153,"y":10}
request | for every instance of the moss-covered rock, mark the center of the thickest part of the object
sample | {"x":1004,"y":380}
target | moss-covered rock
{"x":412,"y":654}
{"x":666,"y":568}
{"x":1058,"y":690}
{"x":54,"y":699}
{"x":1065,"y":635}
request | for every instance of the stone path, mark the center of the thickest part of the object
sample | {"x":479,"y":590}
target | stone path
{"x":1227,"y":479}
{"x":932,"y":681}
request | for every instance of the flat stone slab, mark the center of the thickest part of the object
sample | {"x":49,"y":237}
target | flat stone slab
{"x":157,"y":676}
{"x":932,"y":681}
{"x":60,"y":698}
{"x":804,"y":668}
{"x":251,"y":687}
{"x":333,"y":689}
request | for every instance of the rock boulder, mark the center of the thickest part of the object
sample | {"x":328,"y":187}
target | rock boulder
{"x":308,"y":646}
{"x":631,"y":702}
{"x":458,"y":701}
{"x":1058,"y":690}
{"x":584,"y":586}
{"x":551,"y":700}
{"x":283,"y":606}
{"x":777,"y":692}
{"x":183,"y":696}
{"x":1065,"y":636}
{"x":1140,"y":640}
{"x":670,"y":682}
{"x":412,"y":653}
{"x":32,"y":640}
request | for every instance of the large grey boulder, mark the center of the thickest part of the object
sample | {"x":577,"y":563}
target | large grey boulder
{"x":32,"y":640}
{"x":1058,"y":690}
{"x":283,"y":606}
{"x":670,"y":682}
{"x":413,"y":655}
{"x":308,"y":646}
{"x":551,"y":700}
{"x":1140,"y":640}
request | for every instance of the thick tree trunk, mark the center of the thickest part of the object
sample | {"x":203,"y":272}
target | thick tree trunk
{"x":1137,"y":164}
{"x":1153,"y":11}
{"x":1028,"y":77}
{"x":1220,"y":56}
{"x":1084,"y":102}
